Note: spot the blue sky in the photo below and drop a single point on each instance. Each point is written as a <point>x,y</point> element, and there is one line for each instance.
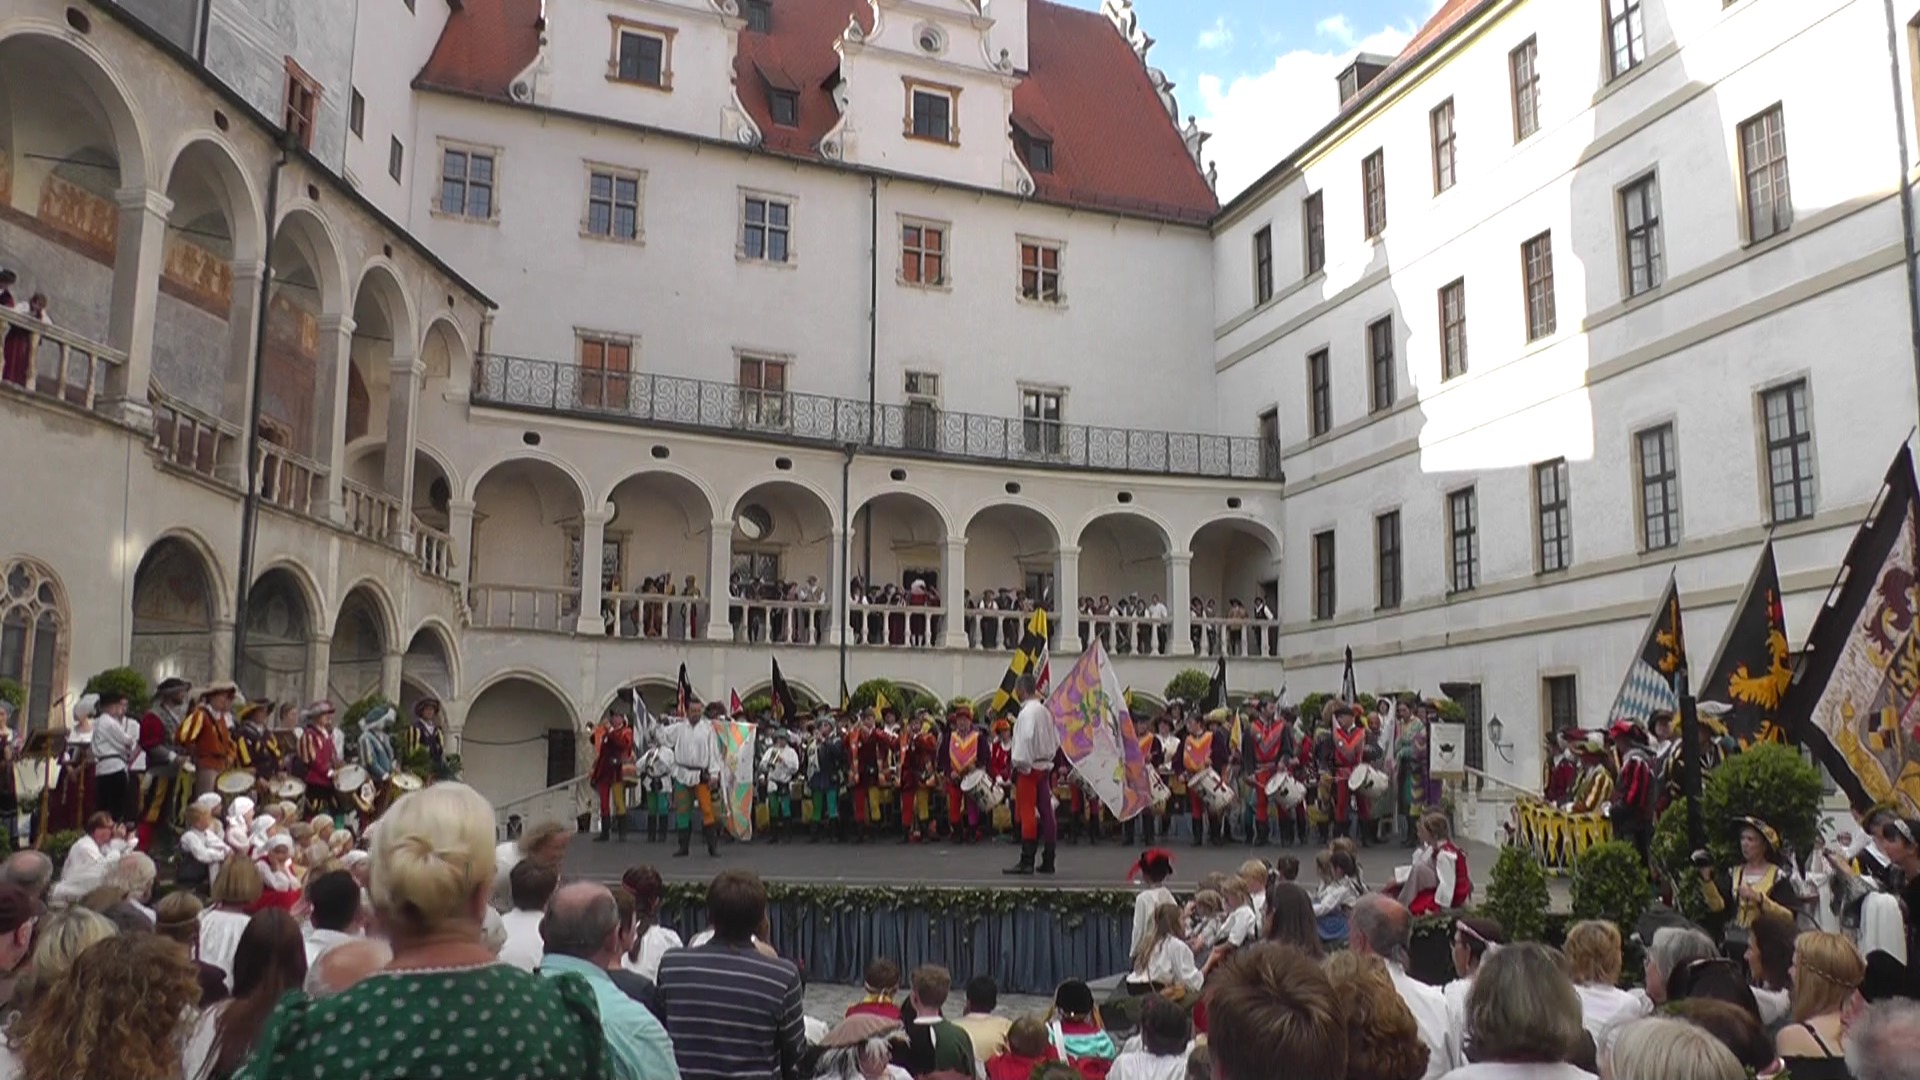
<point>1259,74</point>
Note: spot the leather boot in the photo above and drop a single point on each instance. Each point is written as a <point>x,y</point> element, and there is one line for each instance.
<point>1024,868</point>
<point>712,833</point>
<point>1126,834</point>
<point>1261,835</point>
<point>686,841</point>
<point>606,829</point>
<point>620,828</point>
<point>1199,832</point>
<point>1046,861</point>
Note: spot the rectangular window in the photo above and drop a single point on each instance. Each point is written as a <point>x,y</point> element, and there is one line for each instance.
<point>1319,392</point>
<point>1640,217</point>
<point>1263,265</point>
<point>466,183</point>
<point>923,254</point>
<point>1625,36</point>
<point>1315,221</point>
<point>1270,444</point>
<point>763,392</point>
<point>1463,538</point>
<point>759,15</point>
<point>357,114</point>
<point>604,367</point>
<point>1523,64</point>
<point>396,158</point>
<point>1763,163</point>
<point>1040,155</point>
<point>930,112</point>
<point>1453,329</point>
<point>613,205</point>
<point>1441,121</point>
<point>1536,258</point>
<point>1373,191</point>
<point>766,230</point>
<point>1380,362</point>
<point>1789,451</point>
<point>301,100</point>
<point>642,58</point>
<point>1659,487</point>
<point>1386,551</point>
<point>1563,703</point>
<point>1040,421</point>
<point>1323,575</point>
<point>1555,515</point>
<point>1040,271</point>
<point>785,106</point>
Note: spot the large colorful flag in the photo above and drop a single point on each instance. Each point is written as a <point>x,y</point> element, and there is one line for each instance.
<point>1097,735</point>
<point>733,749</point>
<point>1751,672</point>
<point>785,708</point>
<point>1854,695</point>
<point>686,698</point>
<point>1031,656</point>
<point>1648,687</point>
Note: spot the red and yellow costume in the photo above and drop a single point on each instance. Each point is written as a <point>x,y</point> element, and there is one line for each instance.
<point>919,774</point>
<point>206,739</point>
<point>1272,739</point>
<point>872,751</point>
<point>960,756</point>
<point>612,750</point>
<point>1349,751</point>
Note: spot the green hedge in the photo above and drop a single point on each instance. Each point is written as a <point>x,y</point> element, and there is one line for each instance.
<point>123,680</point>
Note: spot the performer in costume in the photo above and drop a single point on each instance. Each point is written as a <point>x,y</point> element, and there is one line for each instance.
<point>1594,788</point>
<point>1737,896</point>
<point>826,775</point>
<point>253,745</point>
<point>1565,769</point>
<point>207,735</point>
<point>1272,753</point>
<point>783,774</point>
<point>1000,761</point>
<point>959,758</point>
<point>871,749</point>
<point>1438,880</point>
<point>424,735</point>
<point>1636,794</point>
<point>1203,748</point>
<point>1036,746</point>
<point>694,765</point>
<point>1410,769</point>
<point>1350,812</point>
<point>319,757</point>
<point>1149,753</point>
<point>612,753</point>
<point>919,774</point>
<point>165,794</point>
<point>376,754</point>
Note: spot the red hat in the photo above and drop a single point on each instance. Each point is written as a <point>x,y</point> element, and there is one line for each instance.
<point>1626,729</point>
<point>1155,861</point>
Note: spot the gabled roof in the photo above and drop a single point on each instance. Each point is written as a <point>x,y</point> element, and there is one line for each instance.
<point>1115,148</point>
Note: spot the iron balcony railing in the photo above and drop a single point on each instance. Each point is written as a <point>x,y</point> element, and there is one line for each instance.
<point>918,428</point>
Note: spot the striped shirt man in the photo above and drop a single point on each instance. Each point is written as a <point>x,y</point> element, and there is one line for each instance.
<point>732,1013</point>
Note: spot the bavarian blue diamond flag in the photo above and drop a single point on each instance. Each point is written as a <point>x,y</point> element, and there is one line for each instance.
<point>1648,687</point>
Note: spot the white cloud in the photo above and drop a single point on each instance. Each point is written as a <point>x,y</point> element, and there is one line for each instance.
<point>1218,36</point>
<point>1258,119</point>
<point>1336,27</point>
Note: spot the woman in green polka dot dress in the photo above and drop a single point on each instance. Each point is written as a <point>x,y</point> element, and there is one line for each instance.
<point>445,1007</point>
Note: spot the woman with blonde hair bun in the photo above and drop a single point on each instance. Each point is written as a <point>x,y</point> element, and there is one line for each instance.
<point>1661,1048</point>
<point>432,874</point>
<point>1826,971</point>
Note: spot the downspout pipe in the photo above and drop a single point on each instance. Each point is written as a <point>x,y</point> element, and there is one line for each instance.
<point>1906,195</point>
<point>873,306</point>
<point>844,555</point>
<point>250,503</point>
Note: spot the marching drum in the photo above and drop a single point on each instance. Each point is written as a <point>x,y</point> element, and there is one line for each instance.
<point>235,782</point>
<point>1288,791</point>
<point>1157,788</point>
<point>1213,790</point>
<point>288,789</point>
<point>349,777</point>
<point>404,782</point>
<point>1367,782</point>
<point>979,786</point>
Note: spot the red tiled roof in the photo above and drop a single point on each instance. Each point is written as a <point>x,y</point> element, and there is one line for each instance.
<point>1115,147</point>
<point>1445,19</point>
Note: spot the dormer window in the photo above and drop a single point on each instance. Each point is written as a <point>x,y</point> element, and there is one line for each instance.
<point>642,55</point>
<point>759,15</point>
<point>785,106</point>
<point>1035,150</point>
<point>932,112</point>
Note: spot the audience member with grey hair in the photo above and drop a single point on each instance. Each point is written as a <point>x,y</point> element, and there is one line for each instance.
<point>134,875</point>
<point>31,870</point>
<point>1382,927</point>
<point>1674,947</point>
<point>1523,1017</point>
<point>582,934</point>
<point>1661,1048</point>
<point>339,967</point>
<point>1883,1042</point>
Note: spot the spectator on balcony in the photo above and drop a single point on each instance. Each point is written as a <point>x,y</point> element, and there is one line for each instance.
<point>19,342</point>
<point>1265,639</point>
<point>1236,634</point>
<point>1198,609</point>
<point>1157,611</point>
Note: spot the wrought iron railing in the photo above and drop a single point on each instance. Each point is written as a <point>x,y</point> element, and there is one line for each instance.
<point>673,401</point>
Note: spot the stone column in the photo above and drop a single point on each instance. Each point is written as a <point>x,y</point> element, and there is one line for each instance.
<point>222,646</point>
<point>593,537</point>
<point>718,624</point>
<point>390,666</point>
<point>953,591</point>
<point>837,590</point>
<point>1066,600</point>
<point>139,254</point>
<point>335,360</point>
<point>319,665</point>
<point>404,373</point>
<point>1180,602</point>
<point>236,400</point>
<point>460,527</point>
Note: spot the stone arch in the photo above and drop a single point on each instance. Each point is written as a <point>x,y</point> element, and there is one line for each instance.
<point>35,626</point>
<point>383,329</point>
<point>582,489</point>
<point>528,524</point>
<point>1012,544</point>
<point>821,494</point>
<point>444,348</point>
<point>175,607</point>
<point>48,43</point>
<point>662,524</point>
<point>430,666</point>
<point>383,606</point>
<point>800,541</point>
<point>660,692</point>
<point>909,530</point>
<point>234,185</point>
<point>363,634</point>
<point>283,607</point>
<point>1236,557</point>
<point>520,728</point>
<point>1122,551</point>
<point>306,294</point>
<point>311,234</point>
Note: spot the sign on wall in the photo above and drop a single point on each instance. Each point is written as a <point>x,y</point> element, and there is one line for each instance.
<point>1447,750</point>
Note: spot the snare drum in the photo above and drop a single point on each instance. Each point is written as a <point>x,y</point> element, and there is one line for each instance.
<point>349,777</point>
<point>288,789</point>
<point>1157,789</point>
<point>404,782</point>
<point>235,782</point>
<point>975,785</point>
<point>1213,790</point>
<point>993,796</point>
<point>1286,791</point>
<point>1367,782</point>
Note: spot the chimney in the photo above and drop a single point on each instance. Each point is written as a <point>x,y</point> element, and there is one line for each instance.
<point>1365,68</point>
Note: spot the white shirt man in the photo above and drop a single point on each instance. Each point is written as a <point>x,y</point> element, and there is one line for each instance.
<point>116,743</point>
<point>524,945</point>
<point>1380,927</point>
<point>692,743</point>
<point>1035,739</point>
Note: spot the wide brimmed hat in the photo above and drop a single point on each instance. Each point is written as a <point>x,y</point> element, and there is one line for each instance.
<point>220,686</point>
<point>1767,832</point>
<point>421,705</point>
<point>170,684</point>
<point>859,1029</point>
<point>252,708</point>
<point>1623,730</point>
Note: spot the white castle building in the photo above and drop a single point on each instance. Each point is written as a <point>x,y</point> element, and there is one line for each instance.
<point>781,298</point>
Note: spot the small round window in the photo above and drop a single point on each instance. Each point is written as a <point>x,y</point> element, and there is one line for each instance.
<point>754,523</point>
<point>931,39</point>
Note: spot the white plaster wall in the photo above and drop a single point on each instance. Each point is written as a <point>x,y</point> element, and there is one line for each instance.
<point>390,45</point>
<point>700,64</point>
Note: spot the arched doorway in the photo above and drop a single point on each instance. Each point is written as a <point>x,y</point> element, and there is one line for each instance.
<point>426,671</point>
<point>359,647</point>
<point>173,613</point>
<point>520,736</point>
<point>1236,573</point>
<point>280,627</point>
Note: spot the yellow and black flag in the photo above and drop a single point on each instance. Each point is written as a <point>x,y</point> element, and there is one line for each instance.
<point>1752,670</point>
<point>785,708</point>
<point>1031,656</point>
<point>1648,686</point>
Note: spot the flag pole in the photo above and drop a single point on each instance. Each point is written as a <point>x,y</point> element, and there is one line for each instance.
<point>1690,756</point>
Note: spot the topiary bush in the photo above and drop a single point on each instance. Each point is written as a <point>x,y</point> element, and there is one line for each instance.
<point>123,680</point>
<point>1770,781</point>
<point>758,705</point>
<point>357,712</point>
<point>55,846</point>
<point>13,694</point>
<point>1610,883</point>
<point>1311,705</point>
<point>1517,895</point>
<point>1190,684</point>
<point>905,700</point>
